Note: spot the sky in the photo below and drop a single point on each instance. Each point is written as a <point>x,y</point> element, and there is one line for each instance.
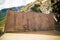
<point>13,3</point>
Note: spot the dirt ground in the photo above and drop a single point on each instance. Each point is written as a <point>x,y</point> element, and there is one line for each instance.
<point>43,35</point>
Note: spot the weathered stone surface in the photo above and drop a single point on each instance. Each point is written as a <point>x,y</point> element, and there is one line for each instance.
<point>29,21</point>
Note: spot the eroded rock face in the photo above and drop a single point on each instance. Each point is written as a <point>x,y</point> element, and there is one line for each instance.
<point>29,21</point>
<point>45,6</point>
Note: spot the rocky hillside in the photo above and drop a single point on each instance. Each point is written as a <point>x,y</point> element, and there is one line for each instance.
<point>38,6</point>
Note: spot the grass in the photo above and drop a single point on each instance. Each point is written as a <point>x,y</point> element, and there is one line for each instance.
<point>2,22</point>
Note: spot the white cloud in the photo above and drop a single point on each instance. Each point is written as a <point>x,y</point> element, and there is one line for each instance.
<point>27,1</point>
<point>2,1</point>
<point>14,3</point>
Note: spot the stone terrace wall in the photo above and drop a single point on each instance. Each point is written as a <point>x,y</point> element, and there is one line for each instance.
<point>28,21</point>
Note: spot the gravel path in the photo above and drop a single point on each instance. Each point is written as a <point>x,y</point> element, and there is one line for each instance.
<point>21,36</point>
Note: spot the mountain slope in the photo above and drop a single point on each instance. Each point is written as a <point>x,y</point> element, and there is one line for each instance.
<point>3,14</point>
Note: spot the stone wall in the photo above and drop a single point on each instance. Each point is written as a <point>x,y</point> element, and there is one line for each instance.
<point>28,21</point>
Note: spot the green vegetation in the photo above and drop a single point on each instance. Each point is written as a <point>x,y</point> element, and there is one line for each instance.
<point>36,8</point>
<point>2,18</point>
<point>2,23</point>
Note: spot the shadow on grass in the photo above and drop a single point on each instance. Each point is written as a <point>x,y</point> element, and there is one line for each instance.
<point>1,33</point>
